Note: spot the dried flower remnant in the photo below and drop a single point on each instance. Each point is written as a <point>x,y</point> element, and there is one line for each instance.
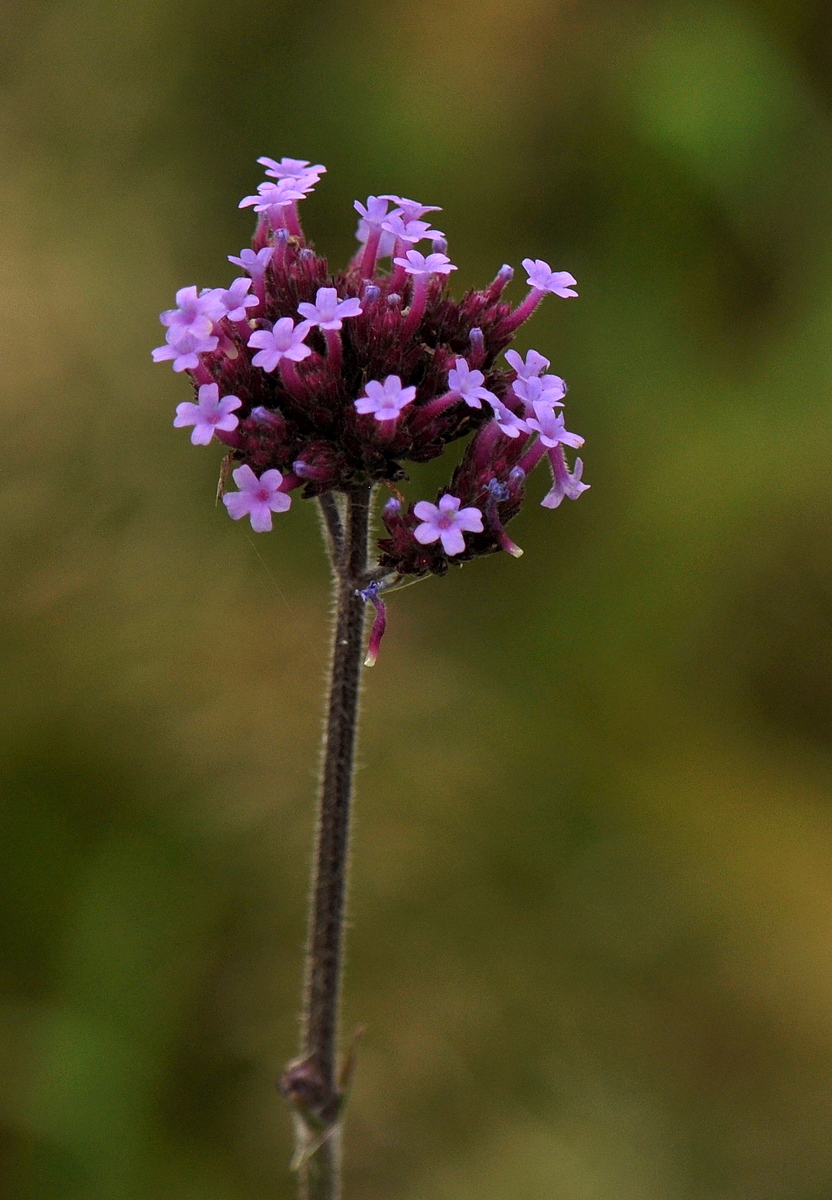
<point>339,379</point>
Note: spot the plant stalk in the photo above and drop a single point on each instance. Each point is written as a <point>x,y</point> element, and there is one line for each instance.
<point>311,1082</point>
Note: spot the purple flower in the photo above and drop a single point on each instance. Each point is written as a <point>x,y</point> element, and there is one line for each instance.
<point>551,427</point>
<point>328,312</point>
<point>292,168</point>
<point>194,313</point>
<point>255,264</point>
<point>372,213</point>
<point>284,341</point>
<point>510,424</point>
<point>385,400</point>
<point>565,484</point>
<point>547,389</point>
<point>257,498</point>
<point>273,198</point>
<point>208,415</point>
<point>534,364</point>
<point>184,348</point>
<point>446,523</point>
<point>417,264</point>
<point>543,279</point>
<point>408,231</point>
<point>468,384</point>
<point>412,210</point>
<point>233,301</point>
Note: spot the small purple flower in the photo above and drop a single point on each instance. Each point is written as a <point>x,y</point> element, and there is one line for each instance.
<point>284,341</point>
<point>255,264</point>
<point>385,400</point>
<point>328,312</point>
<point>415,263</point>
<point>543,279</point>
<point>412,210</point>
<point>565,484</point>
<point>534,364</point>
<point>551,427</point>
<point>546,389</point>
<point>408,231</point>
<point>372,213</point>
<point>194,313</point>
<point>208,415</point>
<point>446,523</point>
<point>233,301</point>
<point>468,384</point>
<point>510,424</point>
<point>273,198</point>
<point>184,348</point>
<point>292,168</point>
<point>257,498</point>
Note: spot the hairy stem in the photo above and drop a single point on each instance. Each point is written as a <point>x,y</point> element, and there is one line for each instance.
<point>311,1082</point>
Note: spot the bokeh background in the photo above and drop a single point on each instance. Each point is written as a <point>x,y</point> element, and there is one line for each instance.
<point>591,907</point>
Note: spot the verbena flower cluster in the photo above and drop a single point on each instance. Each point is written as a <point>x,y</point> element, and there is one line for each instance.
<point>320,381</point>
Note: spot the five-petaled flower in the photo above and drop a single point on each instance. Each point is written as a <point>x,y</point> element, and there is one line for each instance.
<point>285,340</point>
<point>257,498</point>
<point>446,522</point>
<point>385,400</point>
<point>328,312</point>
<point>208,415</point>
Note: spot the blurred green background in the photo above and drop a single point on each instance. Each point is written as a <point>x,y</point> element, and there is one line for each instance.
<point>591,907</point>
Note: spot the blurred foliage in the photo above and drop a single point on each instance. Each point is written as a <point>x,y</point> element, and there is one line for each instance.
<point>591,896</point>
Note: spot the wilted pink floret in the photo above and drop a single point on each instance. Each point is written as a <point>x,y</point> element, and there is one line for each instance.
<point>385,400</point>
<point>184,348</point>
<point>208,415</point>
<point>543,279</point>
<point>233,301</point>
<point>534,364</point>
<point>416,263</point>
<point>565,484</point>
<point>328,312</point>
<point>469,384</point>
<point>446,523</point>
<point>255,264</point>
<point>284,341</point>
<point>551,427</point>
<point>257,498</point>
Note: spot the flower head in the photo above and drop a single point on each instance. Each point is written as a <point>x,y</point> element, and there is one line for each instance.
<point>257,498</point>
<point>326,381</point>
<point>208,415</point>
<point>446,522</point>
